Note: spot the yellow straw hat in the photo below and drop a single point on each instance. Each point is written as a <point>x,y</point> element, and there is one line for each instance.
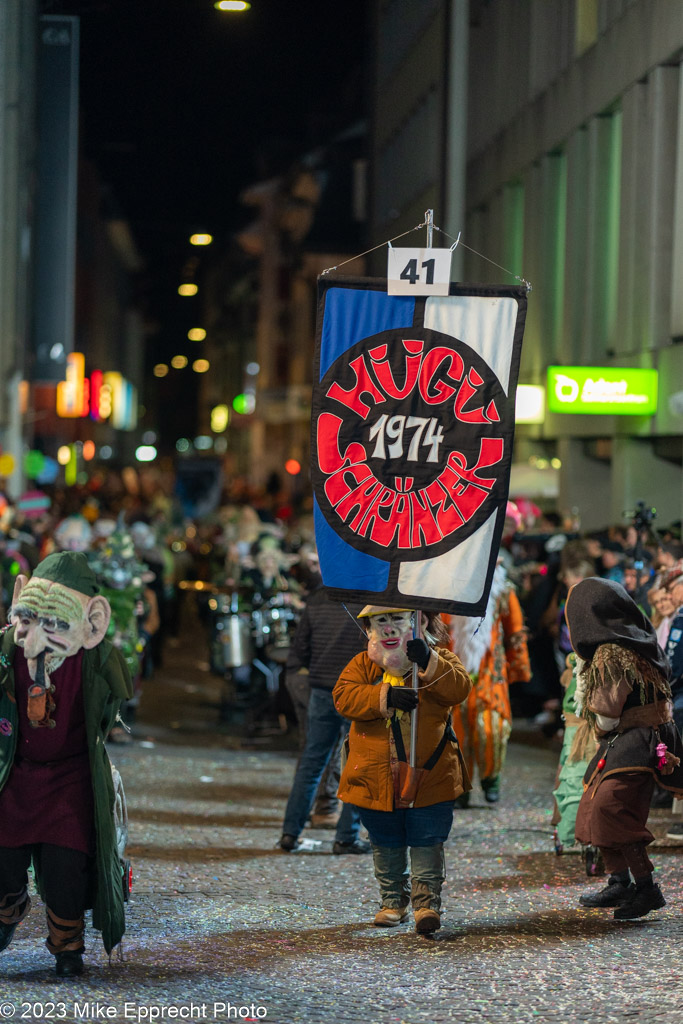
<point>380,609</point>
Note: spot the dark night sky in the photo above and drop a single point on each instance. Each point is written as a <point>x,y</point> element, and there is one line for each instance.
<point>183,105</point>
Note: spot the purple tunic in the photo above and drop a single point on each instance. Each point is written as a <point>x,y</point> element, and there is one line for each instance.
<point>48,796</point>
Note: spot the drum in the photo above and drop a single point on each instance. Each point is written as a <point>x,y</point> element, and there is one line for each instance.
<point>279,623</point>
<point>233,632</point>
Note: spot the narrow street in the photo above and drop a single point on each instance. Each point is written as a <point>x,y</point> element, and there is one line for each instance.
<point>222,925</point>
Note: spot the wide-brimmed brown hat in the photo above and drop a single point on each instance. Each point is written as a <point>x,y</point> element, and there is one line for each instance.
<point>380,609</point>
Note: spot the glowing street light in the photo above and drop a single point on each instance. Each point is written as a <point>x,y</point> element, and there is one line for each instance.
<point>187,289</point>
<point>160,370</point>
<point>200,365</point>
<point>179,362</point>
<point>244,404</point>
<point>220,417</point>
<point>232,5</point>
<point>145,453</point>
<point>196,334</point>
<point>201,239</point>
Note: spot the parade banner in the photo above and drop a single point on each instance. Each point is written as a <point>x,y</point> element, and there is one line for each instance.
<point>411,442</point>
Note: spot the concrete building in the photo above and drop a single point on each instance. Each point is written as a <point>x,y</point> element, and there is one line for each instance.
<point>17,146</point>
<point>550,132</point>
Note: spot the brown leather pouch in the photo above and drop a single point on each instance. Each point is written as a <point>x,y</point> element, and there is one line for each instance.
<point>406,784</point>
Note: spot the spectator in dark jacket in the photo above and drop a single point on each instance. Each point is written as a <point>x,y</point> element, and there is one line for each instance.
<point>674,652</point>
<point>327,638</point>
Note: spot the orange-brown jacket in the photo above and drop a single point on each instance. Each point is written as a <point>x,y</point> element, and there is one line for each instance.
<point>360,695</point>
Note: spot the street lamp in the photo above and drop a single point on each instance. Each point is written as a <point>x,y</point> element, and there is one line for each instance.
<point>232,5</point>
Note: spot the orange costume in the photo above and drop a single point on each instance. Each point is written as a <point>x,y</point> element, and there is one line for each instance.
<point>495,654</point>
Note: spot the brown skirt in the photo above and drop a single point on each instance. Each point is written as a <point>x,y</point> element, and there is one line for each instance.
<point>613,811</point>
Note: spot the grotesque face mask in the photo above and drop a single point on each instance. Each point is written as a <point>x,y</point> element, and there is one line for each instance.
<point>388,634</point>
<point>56,621</point>
<point>52,622</point>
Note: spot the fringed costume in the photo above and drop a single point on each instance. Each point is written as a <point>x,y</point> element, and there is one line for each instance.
<point>495,654</point>
<point>624,693</point>
<point>578,748</point>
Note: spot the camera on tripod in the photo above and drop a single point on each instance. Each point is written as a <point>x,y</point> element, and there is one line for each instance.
<point>642,517</point>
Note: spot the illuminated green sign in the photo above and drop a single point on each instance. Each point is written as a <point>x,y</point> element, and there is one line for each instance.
<point>602,390</point>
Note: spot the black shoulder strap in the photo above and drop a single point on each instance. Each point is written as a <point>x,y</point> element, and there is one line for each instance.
<point>448,737</point>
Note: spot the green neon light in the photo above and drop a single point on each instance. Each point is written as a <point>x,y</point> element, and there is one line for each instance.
<point>602,390</point>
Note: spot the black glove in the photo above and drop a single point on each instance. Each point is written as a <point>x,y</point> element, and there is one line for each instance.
<point>418,651</point>
<point>402,697</point>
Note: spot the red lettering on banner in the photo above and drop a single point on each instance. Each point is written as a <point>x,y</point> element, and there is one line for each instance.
<point>468,388</point>
<point>364,386</point>
<point>470,496</point>
<point>424,528</point>
<point>384,499</point>
<point>430,365</point>
<point>490,453</point>
<point>383,530</point>
<point>330,458</point>
<point>381,514</point>
<point>446,513</point>
<point>411,364</point>
<point>343,482</point>
<point>360,498</point>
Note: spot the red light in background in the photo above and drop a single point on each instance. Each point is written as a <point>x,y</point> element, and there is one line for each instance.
<point>292,467</point>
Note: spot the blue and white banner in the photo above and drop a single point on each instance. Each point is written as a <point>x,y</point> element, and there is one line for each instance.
<point>412,432</point>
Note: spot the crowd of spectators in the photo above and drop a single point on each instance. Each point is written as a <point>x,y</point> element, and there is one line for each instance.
<point>547,558</point>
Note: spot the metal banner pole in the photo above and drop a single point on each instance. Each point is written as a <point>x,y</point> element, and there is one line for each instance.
<point>413,719</point>
<point>429,220</point>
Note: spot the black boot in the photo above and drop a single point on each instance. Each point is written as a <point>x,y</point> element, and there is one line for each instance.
<point>68,964</point>
<point>640,902</point>
<point>16,906</point>
<point>614,894</point>
<point>491,787</point>
<point>6,933</point>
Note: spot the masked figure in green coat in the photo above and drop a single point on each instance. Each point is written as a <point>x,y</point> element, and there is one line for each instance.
<point>61,686</point>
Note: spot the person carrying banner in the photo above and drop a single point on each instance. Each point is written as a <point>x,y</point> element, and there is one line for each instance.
<point>495,652</point>
<point>402,807</point>
<point>623,691</point>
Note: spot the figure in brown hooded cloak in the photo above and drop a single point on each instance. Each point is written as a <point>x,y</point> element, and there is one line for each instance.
<point>624,692</point>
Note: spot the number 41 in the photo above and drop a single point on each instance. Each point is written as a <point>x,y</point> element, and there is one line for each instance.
<point>410,271</point>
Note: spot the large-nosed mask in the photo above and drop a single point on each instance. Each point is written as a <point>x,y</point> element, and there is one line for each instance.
<point>56,621</point>
<point>388,633</point>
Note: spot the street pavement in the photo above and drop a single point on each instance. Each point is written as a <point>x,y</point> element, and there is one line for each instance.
<point>224,926</point>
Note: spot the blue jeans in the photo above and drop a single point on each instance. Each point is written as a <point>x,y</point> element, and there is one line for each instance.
<point>410,826</point>
<point>322,733</point>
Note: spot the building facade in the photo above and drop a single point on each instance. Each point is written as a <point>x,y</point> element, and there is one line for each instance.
<point>573,180</point>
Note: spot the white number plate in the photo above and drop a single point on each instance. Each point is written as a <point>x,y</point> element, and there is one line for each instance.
<point>418,271</point>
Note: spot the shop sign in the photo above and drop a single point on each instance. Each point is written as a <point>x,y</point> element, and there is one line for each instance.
<point>602,390</point>
<point>101,396</point>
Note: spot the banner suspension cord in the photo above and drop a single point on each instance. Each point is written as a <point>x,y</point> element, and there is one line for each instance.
<point>374,248</point>
<point>522,280</point>
<point>353,619</point>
